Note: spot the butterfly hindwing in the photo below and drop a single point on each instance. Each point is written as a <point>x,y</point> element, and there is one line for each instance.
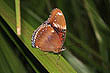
<point>47,39</point>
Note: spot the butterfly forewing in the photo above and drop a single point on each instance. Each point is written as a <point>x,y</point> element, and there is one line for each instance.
<point>57,19</point>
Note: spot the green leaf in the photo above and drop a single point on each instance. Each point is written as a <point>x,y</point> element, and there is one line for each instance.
<point>48,61</point>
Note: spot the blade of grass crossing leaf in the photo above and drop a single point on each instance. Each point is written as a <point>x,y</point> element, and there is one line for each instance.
<point>18,17</point>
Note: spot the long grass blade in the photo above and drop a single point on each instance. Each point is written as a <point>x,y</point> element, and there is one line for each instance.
<point>18,17</point>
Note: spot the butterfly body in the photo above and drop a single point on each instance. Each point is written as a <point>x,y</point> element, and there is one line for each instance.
<point>50,35</point>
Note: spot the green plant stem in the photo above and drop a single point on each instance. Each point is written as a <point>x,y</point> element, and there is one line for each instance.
<point>18,17</point>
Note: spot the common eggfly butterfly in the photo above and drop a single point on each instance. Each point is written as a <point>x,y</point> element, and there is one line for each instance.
<point>50,35</point>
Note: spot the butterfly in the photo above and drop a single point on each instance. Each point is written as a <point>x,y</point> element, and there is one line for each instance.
<point>51,34</point>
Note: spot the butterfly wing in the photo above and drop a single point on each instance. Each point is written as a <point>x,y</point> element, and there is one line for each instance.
<point>47,39</point>
<point>50,36</point>
<point>57,19</point>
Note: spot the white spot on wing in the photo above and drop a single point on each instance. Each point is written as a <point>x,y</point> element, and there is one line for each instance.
<point>64,27</point>
<point>58,13</point>
<point>55,24</point>
<point>37,47</point>
<point>52,30</point>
